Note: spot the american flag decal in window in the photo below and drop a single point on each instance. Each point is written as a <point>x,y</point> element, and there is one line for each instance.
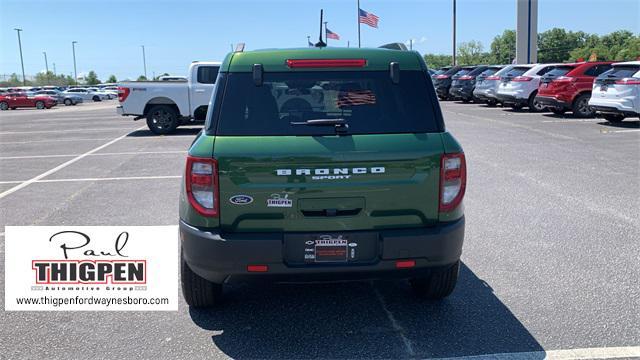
<point>354,98</point>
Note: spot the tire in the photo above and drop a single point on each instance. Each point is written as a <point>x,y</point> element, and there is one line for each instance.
<point>96,98</point>
<point>557,111</point>
<point>4,105</point>
<point>68,102</point>
<point>437,285</point>
<point>533,104</point>
<point>162,119</point>
<point>39,105</point>
<point>517,107</point>
<point>613,118</point>
<point>581,106</point>
<point>197,291</point>
<point>492,103</point>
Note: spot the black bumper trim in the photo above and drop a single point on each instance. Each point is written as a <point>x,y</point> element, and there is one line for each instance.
<point>510,99</point>
<point>220,257</point>
<point>612,110</point>
<point>552,102</point>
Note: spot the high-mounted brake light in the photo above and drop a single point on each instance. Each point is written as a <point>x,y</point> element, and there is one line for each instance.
<point>466,77</point>
<point>201,182</point>
<point>522,78</point>
<point>325,63</point>
<point>492,77</point>
<point>628,81</point>
<point>442,76</point>
<point>453,181</point>
<point>123,92</point>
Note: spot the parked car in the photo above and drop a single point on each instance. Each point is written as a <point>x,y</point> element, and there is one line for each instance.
<point>464,82</point>
<point>15,100</point>
<point>168,104</point>
<point>278,189</point>
<point>62,98</point>
<point>487,84</point>
<point>518,91</point>
<point>442,82</point>
<point>568,87</point>
<point>616,93</point>
<point>86,94</point>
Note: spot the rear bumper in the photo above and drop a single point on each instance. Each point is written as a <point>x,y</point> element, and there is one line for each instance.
<point>613,110</point>
<point>224,258</point>
<point>552,102</point>
<point>443,90</point>
<point>623,105</point>
<point>463,92</point>
<point>510,99</point>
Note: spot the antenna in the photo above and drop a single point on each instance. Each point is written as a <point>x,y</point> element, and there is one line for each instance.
<point>321,43</point>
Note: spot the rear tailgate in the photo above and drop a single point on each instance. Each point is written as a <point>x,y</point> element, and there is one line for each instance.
<point>329,183</point>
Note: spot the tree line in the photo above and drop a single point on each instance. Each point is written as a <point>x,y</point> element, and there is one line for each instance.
<point>554,46</point>
<point>49,78</point>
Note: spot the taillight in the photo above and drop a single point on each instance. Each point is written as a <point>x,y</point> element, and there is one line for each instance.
<point>453,181</point>
<point>325,63</point>
<point>564,79</point>
<point>442,76</point>
<point>522,78</point>
<point>628,81</point>
<point>466,77</point>
<point>201,182</point>
<point>494,77</point>
<point>123,92</point>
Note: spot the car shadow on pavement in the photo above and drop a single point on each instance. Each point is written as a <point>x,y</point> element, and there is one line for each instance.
<point>178,132</point>
<point>380,319</point>
<point>625,124</point>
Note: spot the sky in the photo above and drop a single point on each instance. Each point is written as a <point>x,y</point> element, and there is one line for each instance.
<point>175,33</point>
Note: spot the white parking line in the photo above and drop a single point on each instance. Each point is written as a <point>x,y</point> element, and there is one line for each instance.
<point>64,165</point>
<point>96,139</point>
<point>627,352</point>
<point>95,154</point>
<point>572,120</point>
<point>65,131</point>
<point>97,179</point>
<point>605,131</point>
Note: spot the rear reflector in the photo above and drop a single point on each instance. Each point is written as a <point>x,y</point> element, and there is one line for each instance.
<point>325,63</point>
<point>403,264</point>
<point>453,181</point>
<point>257,268</point>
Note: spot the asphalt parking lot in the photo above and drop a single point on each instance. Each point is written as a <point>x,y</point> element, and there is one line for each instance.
<point>550,257</point>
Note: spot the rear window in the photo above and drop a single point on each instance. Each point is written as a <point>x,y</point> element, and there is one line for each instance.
<point>367,101</point>
<point>477,70</point>
<point>489,72</point>
<point>517,71</point>
<point>463,71</point>
<point>622,71</point>
<point>559,71</point>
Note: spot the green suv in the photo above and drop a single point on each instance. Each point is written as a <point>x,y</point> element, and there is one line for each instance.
<point>322,164</point>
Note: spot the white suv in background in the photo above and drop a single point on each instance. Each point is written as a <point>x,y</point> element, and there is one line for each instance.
<point>520,90</point>
<point>616,93</point>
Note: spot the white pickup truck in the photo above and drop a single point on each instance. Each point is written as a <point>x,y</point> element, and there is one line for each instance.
<point>169,104</point>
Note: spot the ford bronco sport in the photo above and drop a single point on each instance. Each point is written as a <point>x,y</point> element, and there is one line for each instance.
<point>322,164</point>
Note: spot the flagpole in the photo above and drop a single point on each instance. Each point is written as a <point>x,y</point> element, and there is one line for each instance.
<point>326,38</point>
<point>358,23</point>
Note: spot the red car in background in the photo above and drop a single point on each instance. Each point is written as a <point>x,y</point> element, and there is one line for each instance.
<point>15,100</point>
<point>568,87</point>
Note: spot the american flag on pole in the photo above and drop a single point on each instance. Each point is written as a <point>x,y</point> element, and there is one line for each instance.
<point>367,18</point>
<point>355,98</point>
<point>332,35</point>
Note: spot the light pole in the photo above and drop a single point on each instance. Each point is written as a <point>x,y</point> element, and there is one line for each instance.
<point>24,79</point>
<point>46,65</point>
<point>75,71</point>
<point>144,62</point>
<point>308,41</point>
<point>454,32</point>
<point>54,69</point>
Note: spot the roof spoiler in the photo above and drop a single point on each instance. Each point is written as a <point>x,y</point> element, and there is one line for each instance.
<point>394,46</point>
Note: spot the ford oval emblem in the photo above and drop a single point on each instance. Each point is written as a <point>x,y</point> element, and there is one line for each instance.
<point>241,199</point>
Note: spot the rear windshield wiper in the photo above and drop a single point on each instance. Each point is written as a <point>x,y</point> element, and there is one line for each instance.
<point>320,122</point>
<point>339,124</point>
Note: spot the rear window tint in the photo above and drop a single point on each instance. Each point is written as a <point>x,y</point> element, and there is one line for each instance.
<point>489,72</point>
<point>517,71</point>
<point>559,71</point>
<point>477,71</point>
<point>367,101</point>
<point>622,71</point>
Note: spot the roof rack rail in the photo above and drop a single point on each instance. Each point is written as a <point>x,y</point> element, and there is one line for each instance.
<point>239,47</point>
<point>394,46</point>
